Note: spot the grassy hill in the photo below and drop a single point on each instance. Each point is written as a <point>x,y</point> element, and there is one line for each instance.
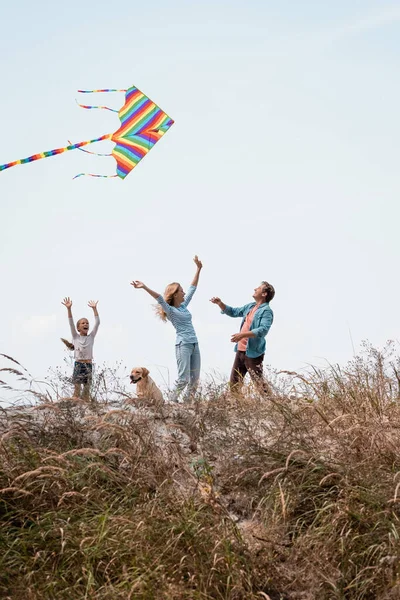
<point>291,496</point>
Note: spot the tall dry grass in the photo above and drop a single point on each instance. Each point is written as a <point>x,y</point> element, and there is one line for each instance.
<point>291,496</point>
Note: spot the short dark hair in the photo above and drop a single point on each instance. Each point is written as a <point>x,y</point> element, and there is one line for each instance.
<point>269,289</point>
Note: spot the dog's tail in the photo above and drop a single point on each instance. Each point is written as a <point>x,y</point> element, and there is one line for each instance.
<point>69,345</point>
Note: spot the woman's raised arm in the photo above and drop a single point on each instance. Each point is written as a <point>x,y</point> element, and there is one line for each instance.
<point>139,285</point>
<point>199,266</point>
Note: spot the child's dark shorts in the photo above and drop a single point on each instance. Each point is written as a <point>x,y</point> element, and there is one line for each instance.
<point>82,372</point>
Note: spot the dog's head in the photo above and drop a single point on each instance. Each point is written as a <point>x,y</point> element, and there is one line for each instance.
<point>138,373</point>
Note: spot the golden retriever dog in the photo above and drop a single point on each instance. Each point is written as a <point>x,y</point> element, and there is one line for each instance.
<point>145,386</point>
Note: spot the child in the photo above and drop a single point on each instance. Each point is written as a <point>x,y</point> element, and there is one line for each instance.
<point>83,347</point>
<point>173,306</point>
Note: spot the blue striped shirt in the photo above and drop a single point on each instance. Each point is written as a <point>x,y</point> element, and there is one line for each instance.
<point>181,318</point>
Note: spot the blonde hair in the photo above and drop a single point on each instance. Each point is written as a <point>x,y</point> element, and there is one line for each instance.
<point>79,320</point>
<point>68,344</point>
<point>169,294</point>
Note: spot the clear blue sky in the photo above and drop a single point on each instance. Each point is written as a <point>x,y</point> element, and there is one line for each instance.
<point>282,164</point>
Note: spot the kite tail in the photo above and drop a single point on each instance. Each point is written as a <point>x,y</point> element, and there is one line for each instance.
<point>54,152</point>
<point>95,92</point>
<point>103,107</point>
<point>94,153</point>
<point>93,175</point>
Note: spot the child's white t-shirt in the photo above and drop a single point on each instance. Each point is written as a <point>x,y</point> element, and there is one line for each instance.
<point>83,343</point>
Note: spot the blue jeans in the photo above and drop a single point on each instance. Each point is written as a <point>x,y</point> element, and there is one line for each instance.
<point>188,359</point>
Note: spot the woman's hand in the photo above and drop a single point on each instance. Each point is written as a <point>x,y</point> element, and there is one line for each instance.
<point>199,266</point>
<point>67,302</point>
<point>198,262</point>
<point>139,285</point>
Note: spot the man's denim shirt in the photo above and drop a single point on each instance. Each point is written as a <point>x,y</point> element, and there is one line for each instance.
<point>260,326</point>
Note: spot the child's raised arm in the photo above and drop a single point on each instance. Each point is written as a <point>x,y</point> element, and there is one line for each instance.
<point>68,303</point>
<point>93,306</point>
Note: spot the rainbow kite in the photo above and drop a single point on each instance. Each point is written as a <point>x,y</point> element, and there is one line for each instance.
<point>143,123</point>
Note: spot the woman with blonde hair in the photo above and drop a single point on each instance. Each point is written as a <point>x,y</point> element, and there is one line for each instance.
<point>173,307</point>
